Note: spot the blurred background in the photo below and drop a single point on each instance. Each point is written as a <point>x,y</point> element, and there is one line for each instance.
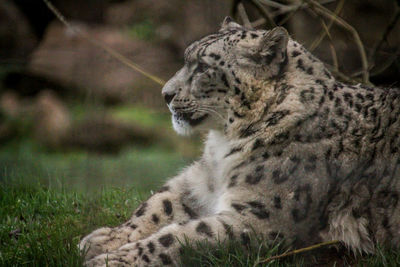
<point>73,116</point>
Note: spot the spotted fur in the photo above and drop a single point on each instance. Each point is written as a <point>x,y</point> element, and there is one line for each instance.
<point>291,153</point>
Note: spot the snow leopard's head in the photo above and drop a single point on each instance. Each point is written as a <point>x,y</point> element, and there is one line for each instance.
<point>220,75</point>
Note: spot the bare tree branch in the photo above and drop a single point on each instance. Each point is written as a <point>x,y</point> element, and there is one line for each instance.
<point>243,16</point>
<point>338,20</point>
<point>234,7</point>
<point>334,57</point>
<point>258,23</point>
<point>387,63</point>
<point>289,15</point>
<point>270,9</point>
<point>385,35</point>
<point>321,37</point>
<point>332,48</point>
<point>264,13</point>
<point>273,4</point>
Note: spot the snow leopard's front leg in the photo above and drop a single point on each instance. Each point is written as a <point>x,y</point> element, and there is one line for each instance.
<point>170,204</point>
<point>163,248</point>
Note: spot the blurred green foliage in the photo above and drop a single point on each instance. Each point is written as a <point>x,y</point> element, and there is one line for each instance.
<point>141,116</point>
<point>143,169</point>
<point>143,30</point>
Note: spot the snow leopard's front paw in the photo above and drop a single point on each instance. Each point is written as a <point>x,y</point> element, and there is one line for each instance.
<point>127,255</point>
<point>111,259</point>
<point>103,240</point>
<point>134,254</point>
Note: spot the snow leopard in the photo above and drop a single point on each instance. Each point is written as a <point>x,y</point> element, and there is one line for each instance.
<point>290,153</point>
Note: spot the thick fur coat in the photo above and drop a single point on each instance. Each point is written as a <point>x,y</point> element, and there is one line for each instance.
<point>291,153</point>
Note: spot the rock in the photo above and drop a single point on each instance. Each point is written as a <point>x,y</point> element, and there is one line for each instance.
<point>10,105</point>
<point>177,22</point>
<point>27,84</point>
<point>71,60</point>
<point>16,37</point>
<point>45,117</point>
<point>9,112</point>
<point>52,120</point>
<point>103,134</point>
<point>39,15</point>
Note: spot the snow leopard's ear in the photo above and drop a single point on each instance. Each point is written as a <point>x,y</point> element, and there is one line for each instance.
<point>267,52</point>
<point>229,23</point>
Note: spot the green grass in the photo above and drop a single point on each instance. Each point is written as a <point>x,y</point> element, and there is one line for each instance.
<point>42,227</point>
<point>234,253</point>
<point>144,169</point>
<point>49,201</point>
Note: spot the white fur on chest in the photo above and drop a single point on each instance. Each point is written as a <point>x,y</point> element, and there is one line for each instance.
<point>210,186</point>
<point>217,146</point>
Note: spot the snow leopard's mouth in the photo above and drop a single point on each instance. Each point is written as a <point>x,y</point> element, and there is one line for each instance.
<point>188,117</point>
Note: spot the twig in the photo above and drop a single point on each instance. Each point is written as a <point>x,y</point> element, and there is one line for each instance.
<point>103,46</point>
<point>387,63</point>
<point>281,8</point>
<point>385,35</point>
<point>331,46</point>
<point>273,4</point>
<point>334,57</point>
<point>297,251</point>
<point>324,2</point>
<point>258,23</point>
<point>264,12</point>
<point>290,15</point>
<point>327,13</point>
<point>341,75</point>
<point>321,37</point>
<point>234,8</point>
<point>288,9</point>
<point>243,16</point>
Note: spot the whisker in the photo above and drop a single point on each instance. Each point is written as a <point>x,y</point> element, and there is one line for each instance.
<point>207,106</point>
<point>207,110</point>
<point>212,111</point>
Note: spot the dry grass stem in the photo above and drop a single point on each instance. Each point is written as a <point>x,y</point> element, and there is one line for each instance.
<point>298,251</point>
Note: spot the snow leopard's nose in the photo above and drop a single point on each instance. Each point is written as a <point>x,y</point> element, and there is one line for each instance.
<point>173,87</point>
<point>168,96</point>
